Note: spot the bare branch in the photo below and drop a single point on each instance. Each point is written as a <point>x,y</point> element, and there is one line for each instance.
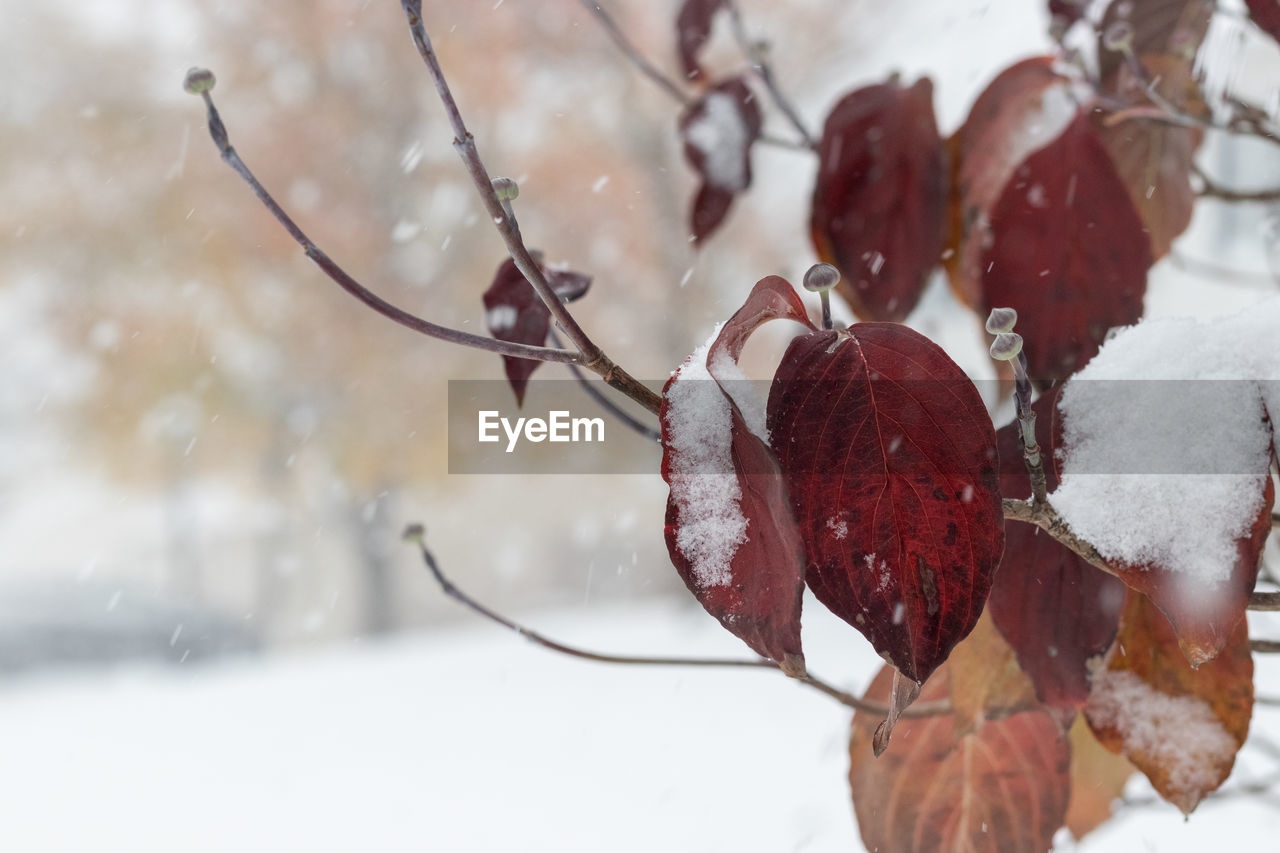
<point>1265,646</point>
<point>636,58</point>
<point>218,131</point>
<point>593,358</point>
<point>1211,189</point>
<point>1265,601</point>
<point>416,533</point>
<point>756,55</point>
<point>608,405</point>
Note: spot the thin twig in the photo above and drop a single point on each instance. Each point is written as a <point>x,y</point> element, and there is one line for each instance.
<point>1264,601</point>
<point>1265,646</point>
<point>417,534</point>
<point>636,58</point>
<point>1212,189</point>
<point>593,358</point>
<point>755,55</point>
<point>218,131</point>
<point>608,405</point>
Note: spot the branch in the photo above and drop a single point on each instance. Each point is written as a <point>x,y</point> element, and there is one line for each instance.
<point>755,53</point>
<point>1212,189</point>
<point>593,358</point>
<point>1265,601</point>
<point>200,82</point>
<point>608,405</point>
<point>1265,646</point>
<point>637,59</point>
<point>416,533</point>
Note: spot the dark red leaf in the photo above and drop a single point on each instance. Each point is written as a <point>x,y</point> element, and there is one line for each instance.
<point>1068,251</point>
<point>1266,14</point>
<point>1053,608</point>
<point>1154,161</point>
<point>513,312</point>
<point>729,528</point>
<point>693,28</point>
<point>1001,788</point>
<point>1160,28</point>
<point>891,463</point>
<point>1069,11</point>
<point>879,202</point>
<point>1022,109</point>
<point>718,130</point>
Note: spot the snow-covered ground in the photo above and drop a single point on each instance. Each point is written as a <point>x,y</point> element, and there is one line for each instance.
<point>474,740</point>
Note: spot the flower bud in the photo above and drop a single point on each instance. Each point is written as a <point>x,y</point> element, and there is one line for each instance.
<point>506,189</point>
<point>1001,320</point>
<point>198,81</point>
<point>821,277</point>
<point>1118,37</point>
<point>1006,346</point>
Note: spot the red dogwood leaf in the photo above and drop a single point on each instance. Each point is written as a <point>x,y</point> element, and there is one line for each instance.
<point>693,28</point>
<point>879,202</point>
<point>1266,14</point>
<point>718,130</point>
<point>1154,161</point>
<point>729,528</point>
<point>890,460</point>
<point>1024,108</point>
<point>1055,610</point>
<point>1180,726</point>
<point>1000,788</point>
<point>1068,251</point>
<point>513,312</point>
<point>1069,11</point>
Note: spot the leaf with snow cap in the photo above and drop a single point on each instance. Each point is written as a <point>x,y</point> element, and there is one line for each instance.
<point>1182,727</point>
<point>880,198</point>
<point>693,28</point>
<point>1055,610</point>
<point>999,788</point>
<point>718,130</point>
<point>1266,14</point>
<point>729,528</point>
<point>514,313</point>
<point>890,459</point>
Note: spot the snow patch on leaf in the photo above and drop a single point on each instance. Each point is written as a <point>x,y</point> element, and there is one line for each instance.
<point>703,482</point>
<point>722,137</point>
<point>1179,733</point>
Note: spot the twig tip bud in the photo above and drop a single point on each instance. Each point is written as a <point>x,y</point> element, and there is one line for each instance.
<point>821,277</point>
<point>1001,320</point>
<point>199,81</point>
<point>1006,346</point>
<point>506,189</point>
<point>414,533</point>
<point>1118,37</point>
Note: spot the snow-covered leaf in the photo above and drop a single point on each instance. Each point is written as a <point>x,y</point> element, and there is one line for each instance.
<point>718,130</point>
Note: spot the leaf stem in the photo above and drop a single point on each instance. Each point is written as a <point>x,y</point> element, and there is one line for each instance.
<point>593,358</point>
<point>416,534</point>
<point>218,131</point>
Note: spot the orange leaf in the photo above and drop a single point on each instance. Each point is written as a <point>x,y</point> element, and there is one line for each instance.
<point>1098,777</point>
<point>986,677</point>
<point>1182,727</point>
<point>1001,788</point>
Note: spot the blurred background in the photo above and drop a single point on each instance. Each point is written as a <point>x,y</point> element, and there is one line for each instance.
<point>208,451</point>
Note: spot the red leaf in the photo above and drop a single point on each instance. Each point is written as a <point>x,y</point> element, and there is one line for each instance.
<point>693,28</point>
<point>1002,788</point>
<point>1266,14</point>
<point>729,528</point>
<point>1069,11</point>
<point>1180,726</point>
<point>879,202</point>
<point>1068,252</point>
<point>1204,618</point>
<point>1053,608</point>
<point>1154,161</point>
<point>1023,109</point>
<point>890,460</point>
<point>513,312</point>
<point>718,130</point>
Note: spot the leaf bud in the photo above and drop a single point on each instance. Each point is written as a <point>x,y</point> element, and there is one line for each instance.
<point>506,189</point>
<point>1118,37</point>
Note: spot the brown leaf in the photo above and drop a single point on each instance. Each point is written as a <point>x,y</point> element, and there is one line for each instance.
<point>986,678</point>
<point>879,200</point>
<point>1001,788</point>
<point>1165,28</point>
<point>1180,726</point>
<point>1098,777</point>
